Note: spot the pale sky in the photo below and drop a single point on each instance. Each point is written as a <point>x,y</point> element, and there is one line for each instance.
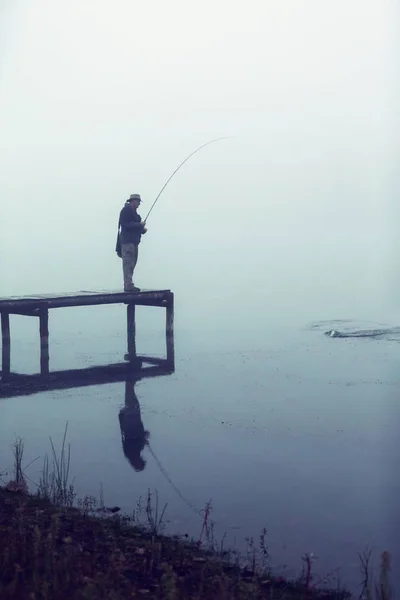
<point>100,99</point>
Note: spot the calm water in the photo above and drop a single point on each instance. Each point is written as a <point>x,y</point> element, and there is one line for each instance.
<point>276,423</point>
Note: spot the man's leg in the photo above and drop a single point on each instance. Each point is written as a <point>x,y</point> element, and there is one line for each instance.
<point>136,254</point>
<point>128,264</point>
<point>129,260</point>
<point>135,258</point>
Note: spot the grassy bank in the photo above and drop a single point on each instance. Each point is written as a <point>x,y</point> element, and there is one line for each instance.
<point>53,546</point>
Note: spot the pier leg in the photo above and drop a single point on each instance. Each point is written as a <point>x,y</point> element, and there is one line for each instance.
<point>169,323</point>
<point>131,331</point>
<point>6,344</point>
<point>169,329</point>
<point>44,341</point>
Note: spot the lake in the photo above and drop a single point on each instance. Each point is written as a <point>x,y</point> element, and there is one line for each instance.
<point>279,425</point>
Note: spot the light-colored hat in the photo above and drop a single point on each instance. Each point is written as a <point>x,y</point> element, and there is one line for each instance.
<point>134,197</point>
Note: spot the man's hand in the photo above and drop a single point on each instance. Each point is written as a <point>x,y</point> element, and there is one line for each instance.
<point>144,230</point>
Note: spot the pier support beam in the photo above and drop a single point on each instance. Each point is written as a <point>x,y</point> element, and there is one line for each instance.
<point>6,344</point>
<point>169,314</point>
<point>169,329</point>
<point>44,341</point>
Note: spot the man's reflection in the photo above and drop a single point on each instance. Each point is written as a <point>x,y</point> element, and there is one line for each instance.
<point>134,435</point>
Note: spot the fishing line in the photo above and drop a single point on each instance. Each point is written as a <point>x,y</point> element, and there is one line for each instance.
<point>198,512</point>
<point>182,163</point>
<point>163,471</point>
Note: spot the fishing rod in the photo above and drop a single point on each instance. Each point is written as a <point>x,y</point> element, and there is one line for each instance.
<point>182,163</point>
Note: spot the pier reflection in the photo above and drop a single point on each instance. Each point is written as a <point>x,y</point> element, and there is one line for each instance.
<point>25,385</point>
<point>134,436</point>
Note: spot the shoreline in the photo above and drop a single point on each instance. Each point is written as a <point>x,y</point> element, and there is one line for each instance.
<point>55,546</point>
<point>54,551</point>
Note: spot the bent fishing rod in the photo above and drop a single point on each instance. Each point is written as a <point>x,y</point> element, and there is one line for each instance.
<point>177,169</point>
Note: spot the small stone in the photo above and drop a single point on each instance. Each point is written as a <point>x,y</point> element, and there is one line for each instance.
<point>19,487</point>
<point>67,540</point>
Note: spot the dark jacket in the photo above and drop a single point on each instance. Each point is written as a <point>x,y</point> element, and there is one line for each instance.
<point>129,223</point>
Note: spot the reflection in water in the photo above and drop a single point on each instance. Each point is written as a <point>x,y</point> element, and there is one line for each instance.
<point>134,435</point>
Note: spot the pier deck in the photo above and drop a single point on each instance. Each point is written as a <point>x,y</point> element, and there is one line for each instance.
<point>30,305</point>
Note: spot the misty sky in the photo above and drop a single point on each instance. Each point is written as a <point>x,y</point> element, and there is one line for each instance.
<point>101,99</point>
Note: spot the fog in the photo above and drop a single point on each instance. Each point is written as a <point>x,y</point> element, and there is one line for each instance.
<point>268,239</point>
<point>100,100</point>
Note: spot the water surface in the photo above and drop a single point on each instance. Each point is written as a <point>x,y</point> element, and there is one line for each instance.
<point>279,426</point>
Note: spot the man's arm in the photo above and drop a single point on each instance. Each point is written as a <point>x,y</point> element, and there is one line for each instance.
<point>127,222</point>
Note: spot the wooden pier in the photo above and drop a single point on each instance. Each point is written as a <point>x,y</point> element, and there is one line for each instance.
<point>39,306</point>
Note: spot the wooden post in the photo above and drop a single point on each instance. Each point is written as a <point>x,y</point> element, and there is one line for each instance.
<point>6,344</point>
<point>169,323</point>
<point>169,329</point>
<point>131,331</point>
<point>44,341</point>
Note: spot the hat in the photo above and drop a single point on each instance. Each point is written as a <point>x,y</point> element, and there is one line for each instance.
<point>134,197</point>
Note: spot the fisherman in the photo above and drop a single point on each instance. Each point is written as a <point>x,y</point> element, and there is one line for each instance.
<point>130,230</point>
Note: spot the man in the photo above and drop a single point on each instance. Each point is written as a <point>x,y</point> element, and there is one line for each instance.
<point>128,240</point>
